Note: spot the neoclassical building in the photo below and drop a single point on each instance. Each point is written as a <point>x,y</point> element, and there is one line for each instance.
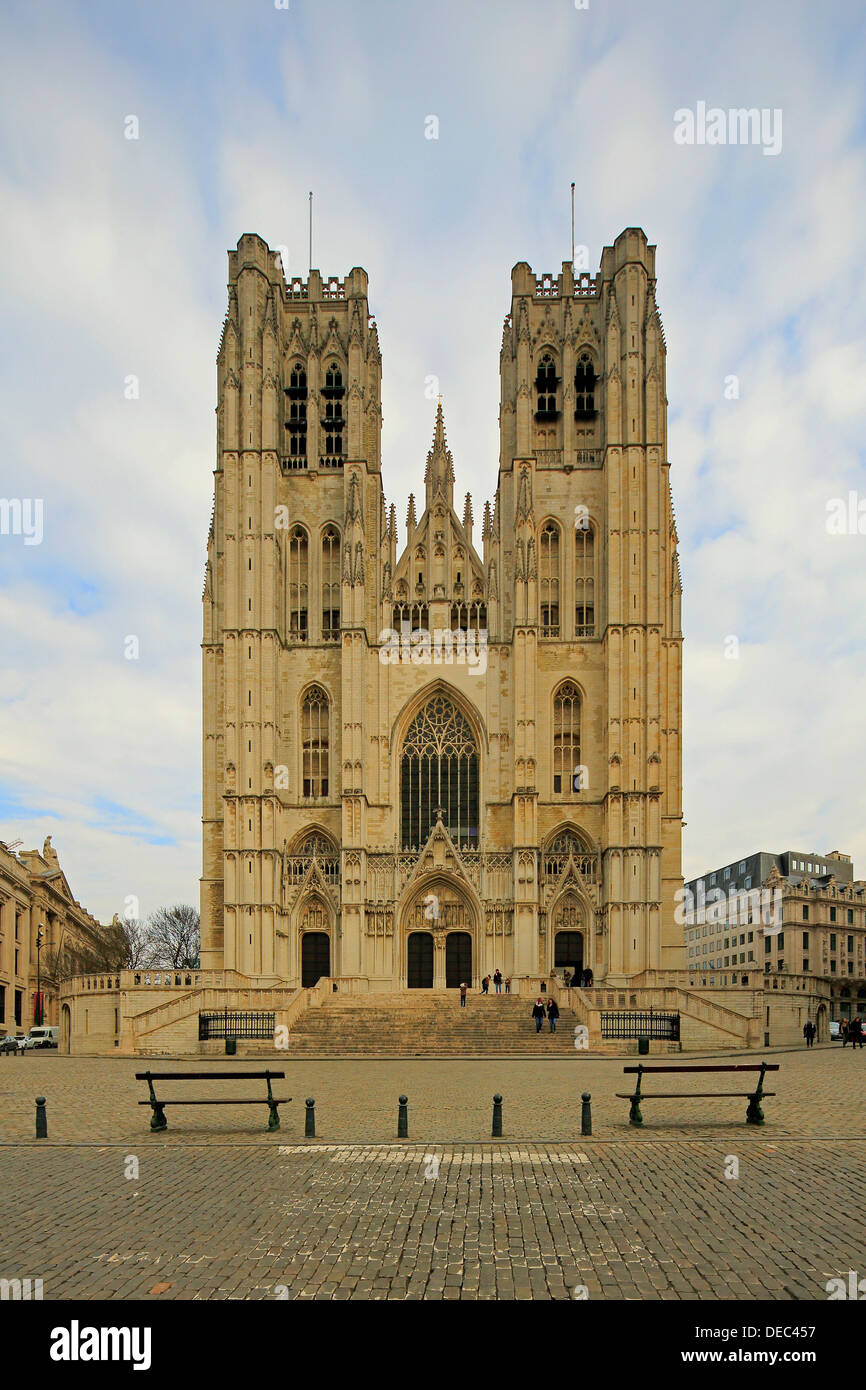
<point>423,763</point>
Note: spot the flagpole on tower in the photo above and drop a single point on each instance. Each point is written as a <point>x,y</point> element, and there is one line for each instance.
<point>311,230</point>
<point>572,225</point>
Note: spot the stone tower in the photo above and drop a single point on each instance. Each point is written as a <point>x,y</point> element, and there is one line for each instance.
<point>421,765</point>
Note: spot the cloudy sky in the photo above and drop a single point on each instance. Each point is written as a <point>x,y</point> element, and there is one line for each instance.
<point>114,254</point>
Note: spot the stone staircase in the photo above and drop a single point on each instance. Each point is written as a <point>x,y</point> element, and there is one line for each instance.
<point>427,1023</point>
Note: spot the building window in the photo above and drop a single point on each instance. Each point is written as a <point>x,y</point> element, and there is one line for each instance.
<point>296,425</point>
<point>850,917</point>
<point>832,914</point>
<point>298,585</point>
<point>333,422</point>
<point>805,963</point>
<point>468,617</point>
<point>330,585</point>
<point>805,941</point>
<point>805,914</point>
<point>584,388</point>
<point>584,581</point>
<point>546,383</point>
<point>314,743</point>
<point>567,779</point>
<point>832,941</point>
<point>411,617</point>
<point>549,580</point>
<point>439,770</point>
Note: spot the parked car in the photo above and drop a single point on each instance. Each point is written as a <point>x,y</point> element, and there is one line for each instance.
<point>45,1035</point>
<point>10,1043</point>
<point>835,1030</point>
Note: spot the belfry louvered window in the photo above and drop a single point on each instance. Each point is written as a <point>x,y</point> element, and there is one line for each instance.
<point>546,383</point>
<point>584,388</point>
<point>548,576</point>
<point>314,742</point>
<point>566,741</point>
<point>296,424</point>
<point>439,769</point>
<point>333,421</point>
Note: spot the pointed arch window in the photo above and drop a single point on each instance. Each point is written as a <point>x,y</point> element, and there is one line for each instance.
<point>566,741</point>
<point>298,584</point>
<point>548,580</point>
<point>546,383</point>
<point>296,424</point>
<point>333,421</point>
<point>331,584</point>
<point>315,743</point>
<point>439,769</point>
<point>584,580</point>
<point>584,388</point>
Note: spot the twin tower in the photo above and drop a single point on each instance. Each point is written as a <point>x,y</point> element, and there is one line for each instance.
<point>427,762</point>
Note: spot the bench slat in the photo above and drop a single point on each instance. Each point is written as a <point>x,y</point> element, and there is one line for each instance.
<point>768,1066</point>
<point>214,1075</point>
<point>690,1095</point>
<point>260,1100</point>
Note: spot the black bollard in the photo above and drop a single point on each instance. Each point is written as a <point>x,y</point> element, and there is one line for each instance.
<point>403,1118</point>
<point>586,1114</point>
<point>497,1117</point>
<point>310,1121</point>
<point>41,1119</point>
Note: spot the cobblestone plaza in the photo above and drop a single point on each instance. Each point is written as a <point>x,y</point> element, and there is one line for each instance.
<point>217,1208</point>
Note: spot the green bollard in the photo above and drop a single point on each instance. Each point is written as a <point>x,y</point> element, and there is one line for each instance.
<point>403,1118</point>
<point>497,1117</point>
<point>586,1114</point>
<point>41,1118</point>
<point>310,1119</point>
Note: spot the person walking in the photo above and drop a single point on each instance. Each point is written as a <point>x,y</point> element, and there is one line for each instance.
<point>843,1031</point>
<point>538,1014</point>
<point>508,985</point>
<point>463,996</point>
<point>855,1032</point>
<point>497,980</point>
<point>552,1014</point>
<point>809,1032</point>
<point>485,985</point>
<point>588,980</point>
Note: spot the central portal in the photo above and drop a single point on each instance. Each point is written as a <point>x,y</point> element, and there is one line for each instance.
<point>458,959</point>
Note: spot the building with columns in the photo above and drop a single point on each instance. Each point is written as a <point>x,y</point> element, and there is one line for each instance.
<point>423,762</point>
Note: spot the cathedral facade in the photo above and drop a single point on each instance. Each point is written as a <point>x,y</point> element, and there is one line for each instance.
<point>423,764</point>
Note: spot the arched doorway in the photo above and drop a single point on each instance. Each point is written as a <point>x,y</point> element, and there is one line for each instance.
<point>568,952</point>
<point>65,1028</point>
<point>315,957</point>
<point>458,959</point>
<point>823,1034</point>
<point>419,962</point>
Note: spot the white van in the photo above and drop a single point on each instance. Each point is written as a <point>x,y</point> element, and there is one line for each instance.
<point>46,1035</point>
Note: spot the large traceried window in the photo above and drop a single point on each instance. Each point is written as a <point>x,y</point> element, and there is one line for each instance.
<point>548,580</point>
<point>546,383</point>
<point>298,584</point>
<point>584,388</point>
<point>296,424</point>
<point>584,581</point>
<point>333,422</point>
<point>330,585</point>
<point>566,740</point>
<point>314,742</point>
<point>439,769</point>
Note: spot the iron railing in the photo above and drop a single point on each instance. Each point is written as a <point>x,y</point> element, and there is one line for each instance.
<point>229,1023</point>
<point>636,1023</point>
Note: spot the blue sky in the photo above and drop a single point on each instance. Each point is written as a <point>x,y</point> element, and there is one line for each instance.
<point>115,257</point>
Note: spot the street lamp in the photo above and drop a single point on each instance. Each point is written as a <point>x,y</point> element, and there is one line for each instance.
<point>39,1010</point>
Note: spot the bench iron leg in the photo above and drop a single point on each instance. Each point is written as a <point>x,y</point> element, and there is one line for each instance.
<point>274,1116</point>
<point>157,1119</point>
<point>634,1115</point>
<point>754,1113</point>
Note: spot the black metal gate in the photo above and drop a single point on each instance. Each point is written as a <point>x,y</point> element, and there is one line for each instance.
<point>636,1023</point>
<point>315,957</point>
<point>458,959</point>
<point>231,1024</point>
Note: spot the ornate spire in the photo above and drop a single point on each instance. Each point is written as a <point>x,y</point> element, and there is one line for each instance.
<point>467,516</point>
<point>486,525</point>
<point>411,523</point>
<point>439,473</point>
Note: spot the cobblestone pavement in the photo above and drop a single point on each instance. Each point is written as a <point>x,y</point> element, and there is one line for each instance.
<point>820,1093</point>
<point>218,1208</point>
<point>614,1220</point>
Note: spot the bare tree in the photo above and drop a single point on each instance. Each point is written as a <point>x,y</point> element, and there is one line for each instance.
<point>174,937</point>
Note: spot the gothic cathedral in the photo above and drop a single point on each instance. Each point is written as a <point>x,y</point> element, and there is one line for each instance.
<point>423,765</point>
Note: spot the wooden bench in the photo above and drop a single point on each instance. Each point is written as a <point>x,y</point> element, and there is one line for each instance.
<point>754,1113</point>
<point>158,1120</point>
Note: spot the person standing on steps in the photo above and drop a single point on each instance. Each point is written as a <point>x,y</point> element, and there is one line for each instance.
<point>538,1014</point>
<point>508,985</point>
<point>552,1013</point>
<point>497,980</point>
<point>463,996</point>
<point>485,985</point>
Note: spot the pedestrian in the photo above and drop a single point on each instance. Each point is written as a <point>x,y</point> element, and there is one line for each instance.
<point>566,975</point>
<point>809,1032</point>
<point>589,979</point>
<point>463,996</point>
<point>855,1032</point>
<point>538,1014</point>
<point>497,980</point>
<point>485,984</point>
<point>508,985</point>
<point>552,1014</point>
<point>843,1031</point>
